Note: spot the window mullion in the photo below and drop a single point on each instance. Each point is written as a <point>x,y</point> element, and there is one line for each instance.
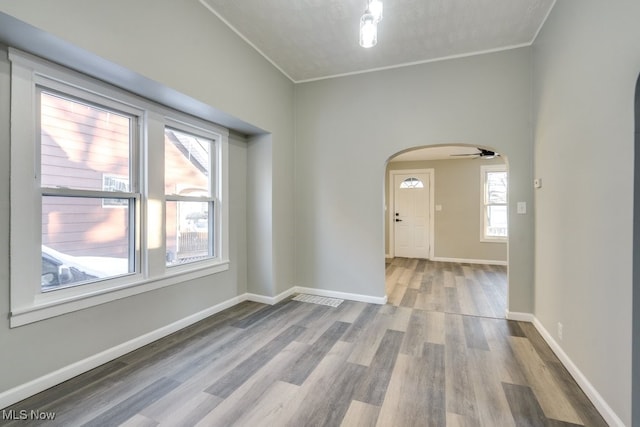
<point>152,161</point>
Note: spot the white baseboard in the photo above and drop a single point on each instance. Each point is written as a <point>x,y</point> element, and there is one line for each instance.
<point>470,261</point>
<point>598,401</point>
<point>341,295</point>
<point>319,292</point>
<point>388,256</point>
<point>601,405</point>
<point>270,300</point>
<point>520,317</point>
<point>37,385</point>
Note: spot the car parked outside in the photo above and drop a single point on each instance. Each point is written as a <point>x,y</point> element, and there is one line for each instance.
<point>63,270</point>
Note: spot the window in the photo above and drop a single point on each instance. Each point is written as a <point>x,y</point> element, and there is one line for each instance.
<point>111,195</point>
<point>412,183</point>
<point>190,198</point>
<point>83,143</point>
<point>494,203</point>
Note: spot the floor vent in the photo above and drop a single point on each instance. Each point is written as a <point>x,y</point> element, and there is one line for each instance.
<point>314,299</point>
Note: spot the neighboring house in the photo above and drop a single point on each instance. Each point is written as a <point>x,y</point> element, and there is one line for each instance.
<point>88,148</point>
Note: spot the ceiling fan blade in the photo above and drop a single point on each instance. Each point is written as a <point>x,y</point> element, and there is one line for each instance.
<point>465,155</point>
<point>487,153</point>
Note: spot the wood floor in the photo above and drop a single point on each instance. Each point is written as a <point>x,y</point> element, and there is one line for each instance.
<point>414,362</point>
<point>472,289</point>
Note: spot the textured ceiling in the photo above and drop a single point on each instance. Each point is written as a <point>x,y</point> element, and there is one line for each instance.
<point>314,39</point>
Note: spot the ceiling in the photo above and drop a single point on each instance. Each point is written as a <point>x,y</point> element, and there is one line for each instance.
<point>316,39</point>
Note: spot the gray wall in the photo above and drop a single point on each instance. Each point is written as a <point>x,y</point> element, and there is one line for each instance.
<point>346,130</point>
<point>586,65</point>
<point>200,57</point>
<point>457,225</point>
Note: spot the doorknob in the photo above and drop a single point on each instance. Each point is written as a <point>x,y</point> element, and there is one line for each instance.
<point>398,220</point>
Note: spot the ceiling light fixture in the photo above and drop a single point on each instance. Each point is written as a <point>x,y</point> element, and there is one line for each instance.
<point>369,23</point>
<point>375,7</point>
<point>368,31</point>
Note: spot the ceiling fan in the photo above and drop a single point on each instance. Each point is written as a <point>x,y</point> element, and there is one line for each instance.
<point>481,154</point>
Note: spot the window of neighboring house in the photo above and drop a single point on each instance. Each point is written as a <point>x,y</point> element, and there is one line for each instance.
<point>87,196</point>
<point>494,203</point>
<point>190,196</point>
<point>111,182</point>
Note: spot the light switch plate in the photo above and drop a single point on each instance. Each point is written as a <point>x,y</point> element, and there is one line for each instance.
<point>522,207</point>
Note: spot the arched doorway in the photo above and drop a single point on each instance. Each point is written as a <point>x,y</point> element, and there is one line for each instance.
<point>446,238</point>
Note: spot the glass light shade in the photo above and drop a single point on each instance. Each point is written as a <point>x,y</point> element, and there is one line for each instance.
<point>368,31</point>
<point>375,8</point>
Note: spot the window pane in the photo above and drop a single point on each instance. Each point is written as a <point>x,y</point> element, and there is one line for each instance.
<point>496,221</point>
<point>411,183</point>
<point>188,232</point>
<point>80,143</point>
<point>82,241</point>
<point>496,187</point>
<point>187,164</point>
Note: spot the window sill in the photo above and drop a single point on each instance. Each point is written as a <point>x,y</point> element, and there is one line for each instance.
<point>55,307</point>
<point>494,240</point>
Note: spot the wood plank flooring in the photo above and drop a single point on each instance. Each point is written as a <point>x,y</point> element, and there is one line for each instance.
<point>471,289</point>
<point>417,363</point>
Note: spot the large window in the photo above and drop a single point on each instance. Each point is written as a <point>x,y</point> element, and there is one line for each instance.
<point>494,203</point>
<point>112,195</point>
<point>80,142</point>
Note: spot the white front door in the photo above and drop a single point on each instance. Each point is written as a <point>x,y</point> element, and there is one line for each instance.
<point>411,215</point>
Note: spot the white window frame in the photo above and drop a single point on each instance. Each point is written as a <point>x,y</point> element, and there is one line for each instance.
<point>215,189</point>
<point>484,169</point>
<point>44,84</point>
<point>28,303</point>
